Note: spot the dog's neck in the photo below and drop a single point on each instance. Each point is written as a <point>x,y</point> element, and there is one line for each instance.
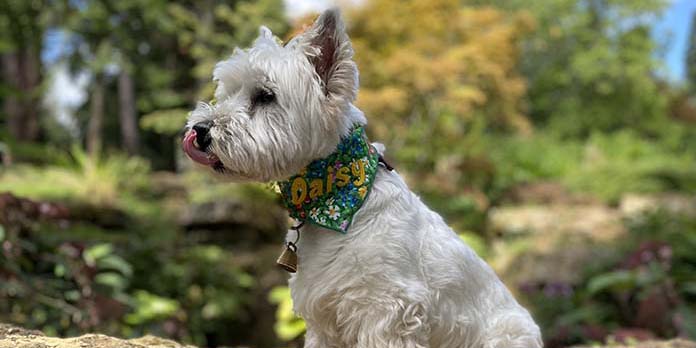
<point>330,190</point>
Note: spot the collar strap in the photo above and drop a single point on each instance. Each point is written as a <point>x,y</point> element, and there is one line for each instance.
<point>329,191</point>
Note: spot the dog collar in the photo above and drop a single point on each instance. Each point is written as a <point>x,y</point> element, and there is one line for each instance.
<point>329,191</point>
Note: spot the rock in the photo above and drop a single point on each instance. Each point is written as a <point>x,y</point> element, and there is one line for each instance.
<point>24,212</point>
<point>99,215</point>
<point>15,337</point>
<point>635,204</point>
<point>233,222</point>
<point>597,221</point>
<point>549,244</point>
<point>539,244</point>
<point>8,330</point>
<point>544,192</point>
<point>675,343</point>
<point>167,184</point>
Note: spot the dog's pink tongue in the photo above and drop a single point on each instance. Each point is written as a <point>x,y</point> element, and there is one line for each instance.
<point>194,153</point>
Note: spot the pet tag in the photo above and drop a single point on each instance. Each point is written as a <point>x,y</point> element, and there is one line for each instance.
<point>288,258</point>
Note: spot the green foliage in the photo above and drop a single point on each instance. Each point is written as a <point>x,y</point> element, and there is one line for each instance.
<point>208,189</point>
<point>691,56</point>
<point>169,50</point>
<point>605,165</point>
<point>653,271</point>
<point>475,242</point>
<point>590,64</point>
<point>424,80</point>
<point>149,307</point>
<point>129,281</point>
<point>200,284</point>
<point>168,121</point>
<point>529,159</point>
<point>453,88</point>
<point>625,162</point>
<point>38,154</point>
<point>288,326</point>
<point>84,178</point>
<point>59,286</point>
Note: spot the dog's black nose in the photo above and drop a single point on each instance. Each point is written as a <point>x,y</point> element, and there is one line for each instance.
<point>203,134</point>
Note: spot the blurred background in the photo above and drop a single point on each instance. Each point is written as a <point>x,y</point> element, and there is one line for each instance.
<point>557,137</point>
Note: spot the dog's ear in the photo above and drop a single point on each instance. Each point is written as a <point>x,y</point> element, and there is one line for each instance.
<point>265,37</point>
<point>328,48</point>
<point>266,33</point>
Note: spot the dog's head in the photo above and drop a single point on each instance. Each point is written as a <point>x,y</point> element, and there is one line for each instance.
<point>278,107</point>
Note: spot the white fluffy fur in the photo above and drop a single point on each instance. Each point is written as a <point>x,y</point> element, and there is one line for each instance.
<point>400,277</point>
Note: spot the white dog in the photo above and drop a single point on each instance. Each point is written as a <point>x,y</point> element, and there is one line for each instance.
<point>377,268</point>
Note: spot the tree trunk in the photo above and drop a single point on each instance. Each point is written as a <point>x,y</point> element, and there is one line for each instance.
<point>96,119</point>
<point>127,115</point>
<point>691,57</point>
<point>21,71</point>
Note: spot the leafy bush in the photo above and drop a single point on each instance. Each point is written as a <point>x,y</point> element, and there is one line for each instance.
<point>99,181</point>
<point>529,159</point>
<point>647,290</point>
<point>67,277</point>
<point>192,293</point>
<point>625,162</point>
<point>605,165</point>
<point>288,326</point>
<point>59,286</point>
<point>39,154</point>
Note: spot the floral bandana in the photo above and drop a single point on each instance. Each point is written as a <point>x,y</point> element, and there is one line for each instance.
<point>329,191</point>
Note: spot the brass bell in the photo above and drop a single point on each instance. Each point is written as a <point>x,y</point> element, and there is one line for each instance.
<point>288,258</point>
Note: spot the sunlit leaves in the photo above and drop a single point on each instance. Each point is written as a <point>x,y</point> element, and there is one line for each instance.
<point>435,75</point>
<point>288,326</point>
<point>165,121</point>
<point>150,307</point>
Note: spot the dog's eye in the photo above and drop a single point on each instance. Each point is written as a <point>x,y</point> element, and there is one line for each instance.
<point>262,96</point>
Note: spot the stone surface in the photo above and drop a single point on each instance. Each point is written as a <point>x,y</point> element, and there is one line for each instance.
<point>675,343</point>
<point>595,220</point>
<point>211,222</point>
<point>550,243</point>
<point>675,203</point>
<point>544,192</point>
<point>550,240</point>
<point>15,337</point>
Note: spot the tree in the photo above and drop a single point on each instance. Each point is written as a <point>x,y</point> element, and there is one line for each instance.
<point>95,125</point>
<point>22,25</point>
<point>436,74</point>
<point>127,112</point>
<point>691,57</point>
<point>158,56</point>
<point>590,64</point>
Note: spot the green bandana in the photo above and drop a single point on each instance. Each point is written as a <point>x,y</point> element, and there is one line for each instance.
<point>329,191</point>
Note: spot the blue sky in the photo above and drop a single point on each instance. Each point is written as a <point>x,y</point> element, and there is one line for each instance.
<point>673,30</point>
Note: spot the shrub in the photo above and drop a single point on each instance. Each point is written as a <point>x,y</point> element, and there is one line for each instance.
<point>647,290</point>
<point>99,181</point>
